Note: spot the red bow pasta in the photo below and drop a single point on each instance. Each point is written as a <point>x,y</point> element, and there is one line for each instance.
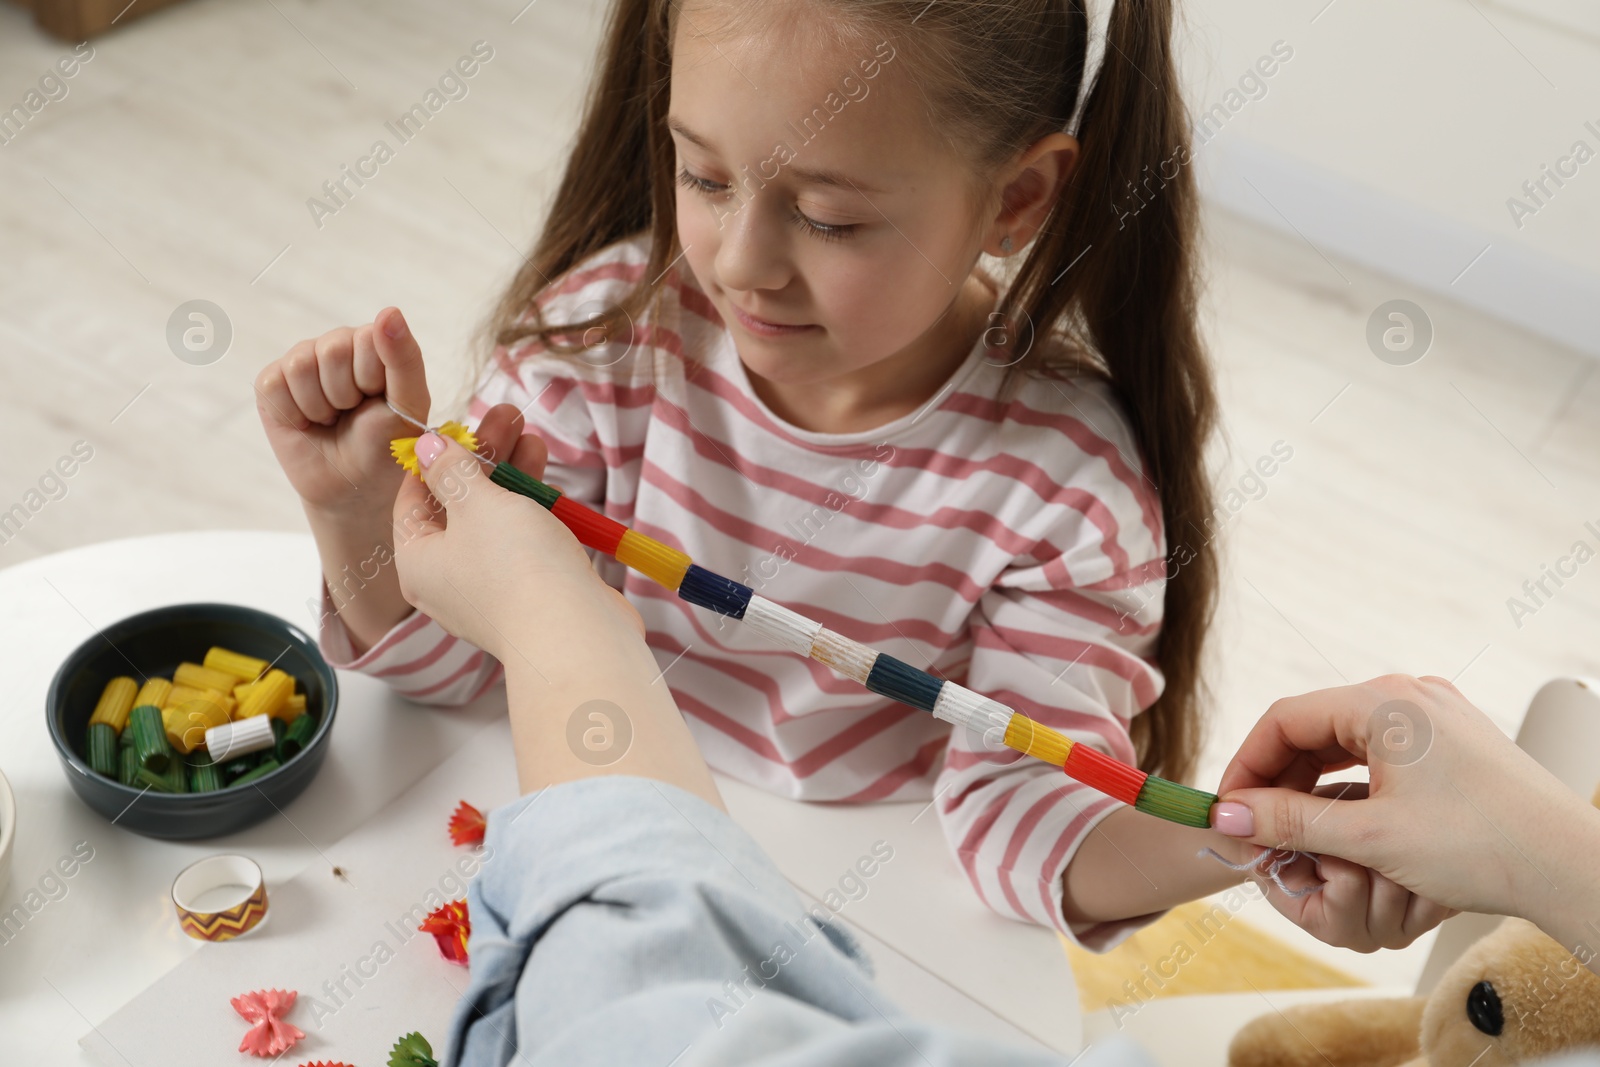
<point>325,1063</point>
<point>450,926</point>
<point>467,825</point>
<point>270,1036</point>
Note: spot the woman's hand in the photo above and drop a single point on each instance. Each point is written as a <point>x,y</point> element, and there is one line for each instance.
<point>1357,907</point>
<point>1455,812</point>
<point>490,566</point>
<point>500,571</point>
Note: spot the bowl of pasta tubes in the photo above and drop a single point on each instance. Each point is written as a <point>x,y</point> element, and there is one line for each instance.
<point>193,720</point>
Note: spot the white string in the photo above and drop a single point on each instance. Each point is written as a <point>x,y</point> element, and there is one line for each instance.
<point>424,427</point>
<point>485,460</point>
<point>1274,870</point>
<point>1099,19</point>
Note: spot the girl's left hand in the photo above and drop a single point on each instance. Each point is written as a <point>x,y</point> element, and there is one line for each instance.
<point>490,566</point>
<point>1357,908</point>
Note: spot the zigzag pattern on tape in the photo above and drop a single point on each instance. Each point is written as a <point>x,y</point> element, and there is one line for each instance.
<point>224,925</point>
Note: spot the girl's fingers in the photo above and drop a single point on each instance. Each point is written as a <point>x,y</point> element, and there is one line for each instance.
<point>1423,915</point>
<point>336,368</point>
<point>530,454</point>
<point>1387,904</point>
<point>498,431</point>
<point>305,385</point>
<point>366,367</point>
<point>274,400</point>
<point>405,378</point>
<point>1345,903</point>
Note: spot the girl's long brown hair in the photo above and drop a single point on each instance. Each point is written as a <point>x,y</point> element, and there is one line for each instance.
<point>1112,272</point>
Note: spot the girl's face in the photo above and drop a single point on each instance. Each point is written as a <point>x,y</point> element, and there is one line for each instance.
<point>813,195</point>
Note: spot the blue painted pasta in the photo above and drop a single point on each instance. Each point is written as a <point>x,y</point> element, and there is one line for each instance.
<point>901,681</point>
<point>721,595</point>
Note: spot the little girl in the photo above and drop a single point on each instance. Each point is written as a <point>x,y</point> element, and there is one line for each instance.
<point>755,327</point>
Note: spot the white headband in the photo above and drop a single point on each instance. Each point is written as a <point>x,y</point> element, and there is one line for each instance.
<point>1099,19</point>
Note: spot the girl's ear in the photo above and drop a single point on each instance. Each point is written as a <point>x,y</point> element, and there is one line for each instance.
<point>1033,184</point>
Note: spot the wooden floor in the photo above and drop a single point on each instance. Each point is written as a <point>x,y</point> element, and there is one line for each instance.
<point>179,166</point>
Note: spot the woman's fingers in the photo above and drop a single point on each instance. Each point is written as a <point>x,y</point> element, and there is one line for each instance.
<point>1304,822</point>
<point>1328,726</point>
<point>416,514</point>
<point>456,478</point>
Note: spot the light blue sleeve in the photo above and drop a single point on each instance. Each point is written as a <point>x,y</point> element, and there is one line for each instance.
<point>625,921</point>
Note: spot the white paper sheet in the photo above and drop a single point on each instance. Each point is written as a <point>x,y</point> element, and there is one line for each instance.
<point>348,945</point>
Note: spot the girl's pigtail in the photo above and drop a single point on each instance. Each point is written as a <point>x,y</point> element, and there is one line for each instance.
<point>609,190</point>
<point>1121,248</point>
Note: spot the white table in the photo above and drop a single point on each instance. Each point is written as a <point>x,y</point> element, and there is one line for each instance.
<point>109,931</point>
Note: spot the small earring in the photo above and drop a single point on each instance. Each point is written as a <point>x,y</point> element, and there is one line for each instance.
<point>1005,244</point>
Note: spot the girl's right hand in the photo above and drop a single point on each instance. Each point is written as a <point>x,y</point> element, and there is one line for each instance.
<point>323,409</point>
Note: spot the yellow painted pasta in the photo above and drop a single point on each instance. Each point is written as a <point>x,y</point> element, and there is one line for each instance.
<point>269,696</point>
<point>186,724</point>
<point>297,701</point>
<point>656,561</point>
<point>293,708</point>
<point>1037,740</point>
<point>185,694</point>
<point>237,664</point>
<point>199,677</point>
<point>154,691</point>
<point>116,700</point>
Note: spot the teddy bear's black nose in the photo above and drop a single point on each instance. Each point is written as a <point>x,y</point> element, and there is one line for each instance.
<point>1483,1008</point>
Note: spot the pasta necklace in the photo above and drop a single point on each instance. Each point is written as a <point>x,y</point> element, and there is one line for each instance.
<point>880,672</point>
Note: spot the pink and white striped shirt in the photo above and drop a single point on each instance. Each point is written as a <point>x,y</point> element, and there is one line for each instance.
<point>1010,545</point>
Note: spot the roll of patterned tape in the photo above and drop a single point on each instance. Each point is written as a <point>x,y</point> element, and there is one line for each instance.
<point>220,898</point>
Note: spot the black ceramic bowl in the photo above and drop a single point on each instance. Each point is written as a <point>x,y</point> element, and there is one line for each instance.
<point>154,643</point>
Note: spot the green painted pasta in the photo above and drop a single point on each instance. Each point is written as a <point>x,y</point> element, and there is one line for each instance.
<point>150,738</point>
<point>127,761</point>
<point>1181,804</point>
<point>204,775</point>
<point>235,769</point>
<point>101,741</point>
<point>261,770</point>
<point>296,737</point>
<point>174,779</point>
